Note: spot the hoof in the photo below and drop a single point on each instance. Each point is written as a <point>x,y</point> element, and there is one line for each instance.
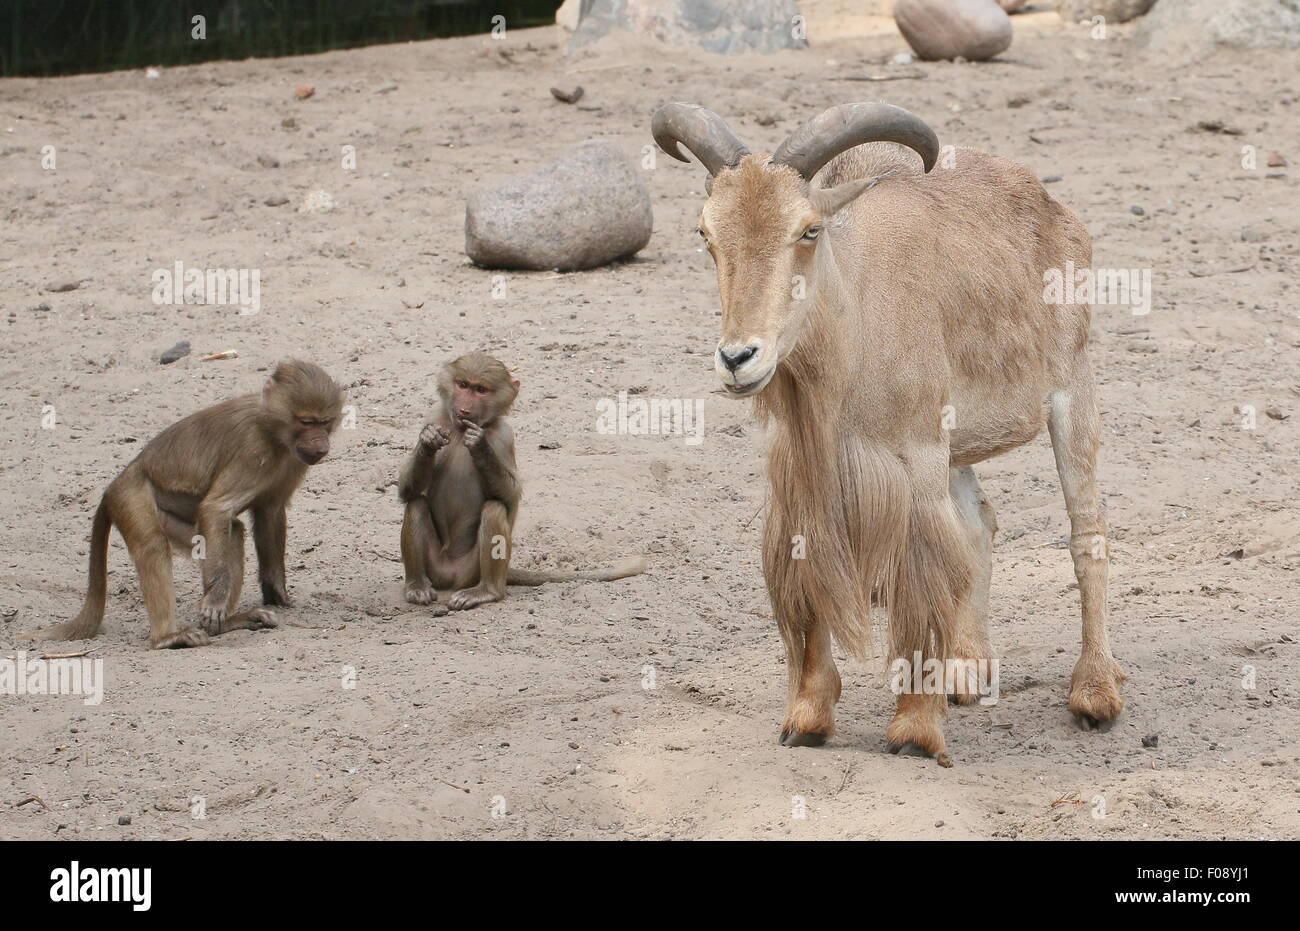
<point>1087,722</point>
<point>796,738</point>
<point>911,749</point>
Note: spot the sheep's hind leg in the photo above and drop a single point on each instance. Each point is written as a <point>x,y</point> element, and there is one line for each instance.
<point>971,637</point>
<point>1074,425</point>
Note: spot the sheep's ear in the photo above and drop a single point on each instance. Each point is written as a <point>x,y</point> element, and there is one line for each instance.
<point>830,201</point>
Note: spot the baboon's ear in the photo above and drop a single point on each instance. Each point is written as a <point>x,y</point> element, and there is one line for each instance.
<point>515,382</point>
<point>830,201</point>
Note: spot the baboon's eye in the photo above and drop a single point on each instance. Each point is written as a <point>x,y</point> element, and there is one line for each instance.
<point>703,235</point>
<point>462,385</point>
<point>810,233</point>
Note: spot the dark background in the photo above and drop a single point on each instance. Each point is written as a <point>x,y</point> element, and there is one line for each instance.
<point>48,37</point>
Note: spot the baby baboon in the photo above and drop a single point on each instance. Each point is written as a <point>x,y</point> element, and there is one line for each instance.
<point>461,490</point>
<point>189,486</point>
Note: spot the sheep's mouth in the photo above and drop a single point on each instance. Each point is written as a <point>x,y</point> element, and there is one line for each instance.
<point>749,387</point>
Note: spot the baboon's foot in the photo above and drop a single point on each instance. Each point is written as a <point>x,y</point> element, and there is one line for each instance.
<point>1094,692</point>
<point>212,616</point>
<point>185,637</point>
<point>421,594</point>
<point>62,631</point>
<point>275,596</point>
<point>256,619</point>
<point>916,729</point>
<point>468,598</point>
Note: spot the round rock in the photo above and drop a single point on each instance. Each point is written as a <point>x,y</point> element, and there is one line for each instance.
<point>970,29</point>
<point>589,207</point>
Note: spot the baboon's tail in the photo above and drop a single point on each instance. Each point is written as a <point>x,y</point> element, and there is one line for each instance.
<point>633,565</point>
<point>86,623</point>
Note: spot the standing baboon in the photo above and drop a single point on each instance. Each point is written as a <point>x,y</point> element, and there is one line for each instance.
<point>187,489</point>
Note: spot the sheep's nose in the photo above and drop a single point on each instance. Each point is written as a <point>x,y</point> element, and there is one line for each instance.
<point>735,358</point>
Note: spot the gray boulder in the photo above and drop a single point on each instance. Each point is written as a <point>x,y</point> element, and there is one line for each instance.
<point>723,26</point>
<point>970,29</point>
<point>1115,11</point>
<point>1192,29</point>
<point>589,207</point>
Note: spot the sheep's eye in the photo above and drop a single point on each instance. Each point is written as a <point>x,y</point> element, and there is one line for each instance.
<point>810,233</point>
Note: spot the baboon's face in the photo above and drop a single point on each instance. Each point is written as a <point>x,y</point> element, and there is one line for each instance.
<point>761,230</point>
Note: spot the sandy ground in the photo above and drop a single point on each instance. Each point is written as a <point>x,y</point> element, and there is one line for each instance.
<point>535,708</point>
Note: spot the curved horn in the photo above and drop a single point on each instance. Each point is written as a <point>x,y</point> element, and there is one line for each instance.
<point>823,137</point>
<point>700,130</point>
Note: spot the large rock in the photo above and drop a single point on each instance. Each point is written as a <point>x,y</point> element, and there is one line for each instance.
<point>589,207</point>
<point>970,29</point>
<point>1191,29</point>
<point>724,26</point>
<point>1115,11</point>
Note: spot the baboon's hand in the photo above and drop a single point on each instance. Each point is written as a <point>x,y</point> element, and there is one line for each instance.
<point>433,438</point>
<point>473,434</point>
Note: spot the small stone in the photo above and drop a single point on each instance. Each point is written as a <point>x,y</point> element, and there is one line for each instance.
<point>568,94</point>
<point>1114,11</point>
<point>64,286</point>
<point>179,351</point>
<point>124,819</point>
<point>1276,413</point>
<point>288,123</point>
<point>268,161</point>
<point>1151,740</point>
<point>1137,211</point>
<point>1276,160</point>
<point>303,91</point>
<point>276,200</point>
<point>1051,179</point>
<point>317,202</point>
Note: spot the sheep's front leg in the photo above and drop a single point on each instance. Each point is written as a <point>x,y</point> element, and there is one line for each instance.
<point>814,685</point>
<point>932,588</point>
